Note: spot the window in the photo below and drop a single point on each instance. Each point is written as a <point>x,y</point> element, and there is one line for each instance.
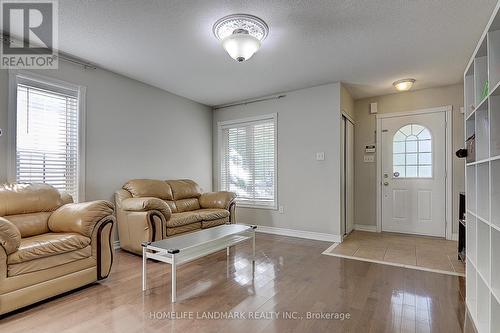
<point>47,122</point>
<point>248,160</point>
<point>412,152</point>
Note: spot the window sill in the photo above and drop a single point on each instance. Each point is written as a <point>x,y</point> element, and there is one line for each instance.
<point>241,205</point>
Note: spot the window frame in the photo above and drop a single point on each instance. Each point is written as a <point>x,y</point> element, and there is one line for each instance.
<point>14,76</point>
<point>417,153</point>
<point>221,125</point>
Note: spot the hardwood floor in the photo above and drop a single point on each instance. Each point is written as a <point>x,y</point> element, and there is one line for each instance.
<point>290,277</point>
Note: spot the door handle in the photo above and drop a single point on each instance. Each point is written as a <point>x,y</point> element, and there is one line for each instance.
<point>386,183</point>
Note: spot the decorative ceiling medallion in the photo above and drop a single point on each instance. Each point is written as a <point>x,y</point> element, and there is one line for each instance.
<point>240,35</point>
<point>227,25</point>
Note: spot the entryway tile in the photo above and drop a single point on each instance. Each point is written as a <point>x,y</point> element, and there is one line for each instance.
<point>368,252</point>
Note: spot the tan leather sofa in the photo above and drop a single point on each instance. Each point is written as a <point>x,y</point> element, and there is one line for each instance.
<point>151,210</point>
<point>49,245</point>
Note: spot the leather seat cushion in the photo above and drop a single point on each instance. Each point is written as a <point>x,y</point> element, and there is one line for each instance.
<point>214,223</point>
<point>28,198</point>
<point>149,188</point>
<point>184,228</point>
<point>47,245</point>
<point>48,262</point>
<point>180,219</point>
<point>31,224</point>
<point>184,189</point>
<point>187,205</point>
<point>185,218</point>
<point>212,214</point>
<point>172,205</point>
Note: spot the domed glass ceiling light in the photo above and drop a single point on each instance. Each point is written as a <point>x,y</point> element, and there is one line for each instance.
<point>241,35</point>
<point>404,84</point>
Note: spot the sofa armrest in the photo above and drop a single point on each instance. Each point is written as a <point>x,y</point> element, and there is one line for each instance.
<point>147,204</point>
<point>66,197</point>
<point>80,217</point>
<point>10,237</point>
<point>222,200</point>
<point>103,246</point>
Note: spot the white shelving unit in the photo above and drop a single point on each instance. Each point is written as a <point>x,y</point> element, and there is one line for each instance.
<point>470,289</point>
<point>482,119</point>
<point>495,314</point>
<point>495,263</point>
<point>495,123</point>
<point>471,238</point>
<point>495,193</point>
<point>482,191</point>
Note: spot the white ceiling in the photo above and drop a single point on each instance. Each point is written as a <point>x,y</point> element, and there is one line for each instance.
<point>365,43</point>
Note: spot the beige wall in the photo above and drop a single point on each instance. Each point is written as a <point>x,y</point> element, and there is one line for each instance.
<point>346,102</point>
<point>133,130</point>
<point>365,179</point>
<point>308,190</point>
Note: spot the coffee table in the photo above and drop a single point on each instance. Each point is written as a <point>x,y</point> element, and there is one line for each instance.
<point>182,249</point>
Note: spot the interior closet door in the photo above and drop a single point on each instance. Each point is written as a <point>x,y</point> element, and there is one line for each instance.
<point>349,176</point>
<point>342,177</point>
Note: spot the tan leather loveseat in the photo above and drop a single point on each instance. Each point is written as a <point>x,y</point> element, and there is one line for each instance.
<point>49,245</point>
<point>150,210</point>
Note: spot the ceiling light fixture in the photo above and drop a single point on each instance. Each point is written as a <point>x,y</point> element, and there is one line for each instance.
<point>404,84</point>
<point>241,35</point>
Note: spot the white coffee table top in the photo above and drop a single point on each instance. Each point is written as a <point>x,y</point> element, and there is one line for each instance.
<point>198,238</point>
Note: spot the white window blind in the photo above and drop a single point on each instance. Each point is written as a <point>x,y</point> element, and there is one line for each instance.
<point>248,161</point>
<point>47,137</point>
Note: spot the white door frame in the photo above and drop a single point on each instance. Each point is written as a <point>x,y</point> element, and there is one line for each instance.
<point>449,165</point>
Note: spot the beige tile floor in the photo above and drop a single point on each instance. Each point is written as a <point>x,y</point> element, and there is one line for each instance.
<point>421,252</point>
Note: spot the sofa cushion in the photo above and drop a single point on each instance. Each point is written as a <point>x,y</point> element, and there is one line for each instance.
<point>28,198</point>
<point>183,229</point>
<point>149,188</point>
<point>146,204</point>
<point>184,188</point>
<point>172,205</point>
<point>31,224</point>
<point>212,214</point>
<point>186,205</point>
<point>214,223</point>
<point>180,219</point>
<point>217,199</point>
<point>10,237</point>
<point>47,245</point>
<point>80,217</point>
<point>48,262</point>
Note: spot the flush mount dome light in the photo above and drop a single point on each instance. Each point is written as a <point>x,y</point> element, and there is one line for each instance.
<point>404,84</point>
<point>241,35</point>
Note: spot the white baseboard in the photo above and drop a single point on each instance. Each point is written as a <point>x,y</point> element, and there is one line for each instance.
<point>284,232</point>
<point>365,227</point>
<point>306,234</point>
<point>300,234</point>
<point>373,228</point>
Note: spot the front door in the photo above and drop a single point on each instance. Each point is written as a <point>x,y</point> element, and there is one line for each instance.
<point>414,174</point>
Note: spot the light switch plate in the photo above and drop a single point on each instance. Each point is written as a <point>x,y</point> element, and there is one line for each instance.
<point>281,209</point>
<point>369,158</point>
<point>320,156</point>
